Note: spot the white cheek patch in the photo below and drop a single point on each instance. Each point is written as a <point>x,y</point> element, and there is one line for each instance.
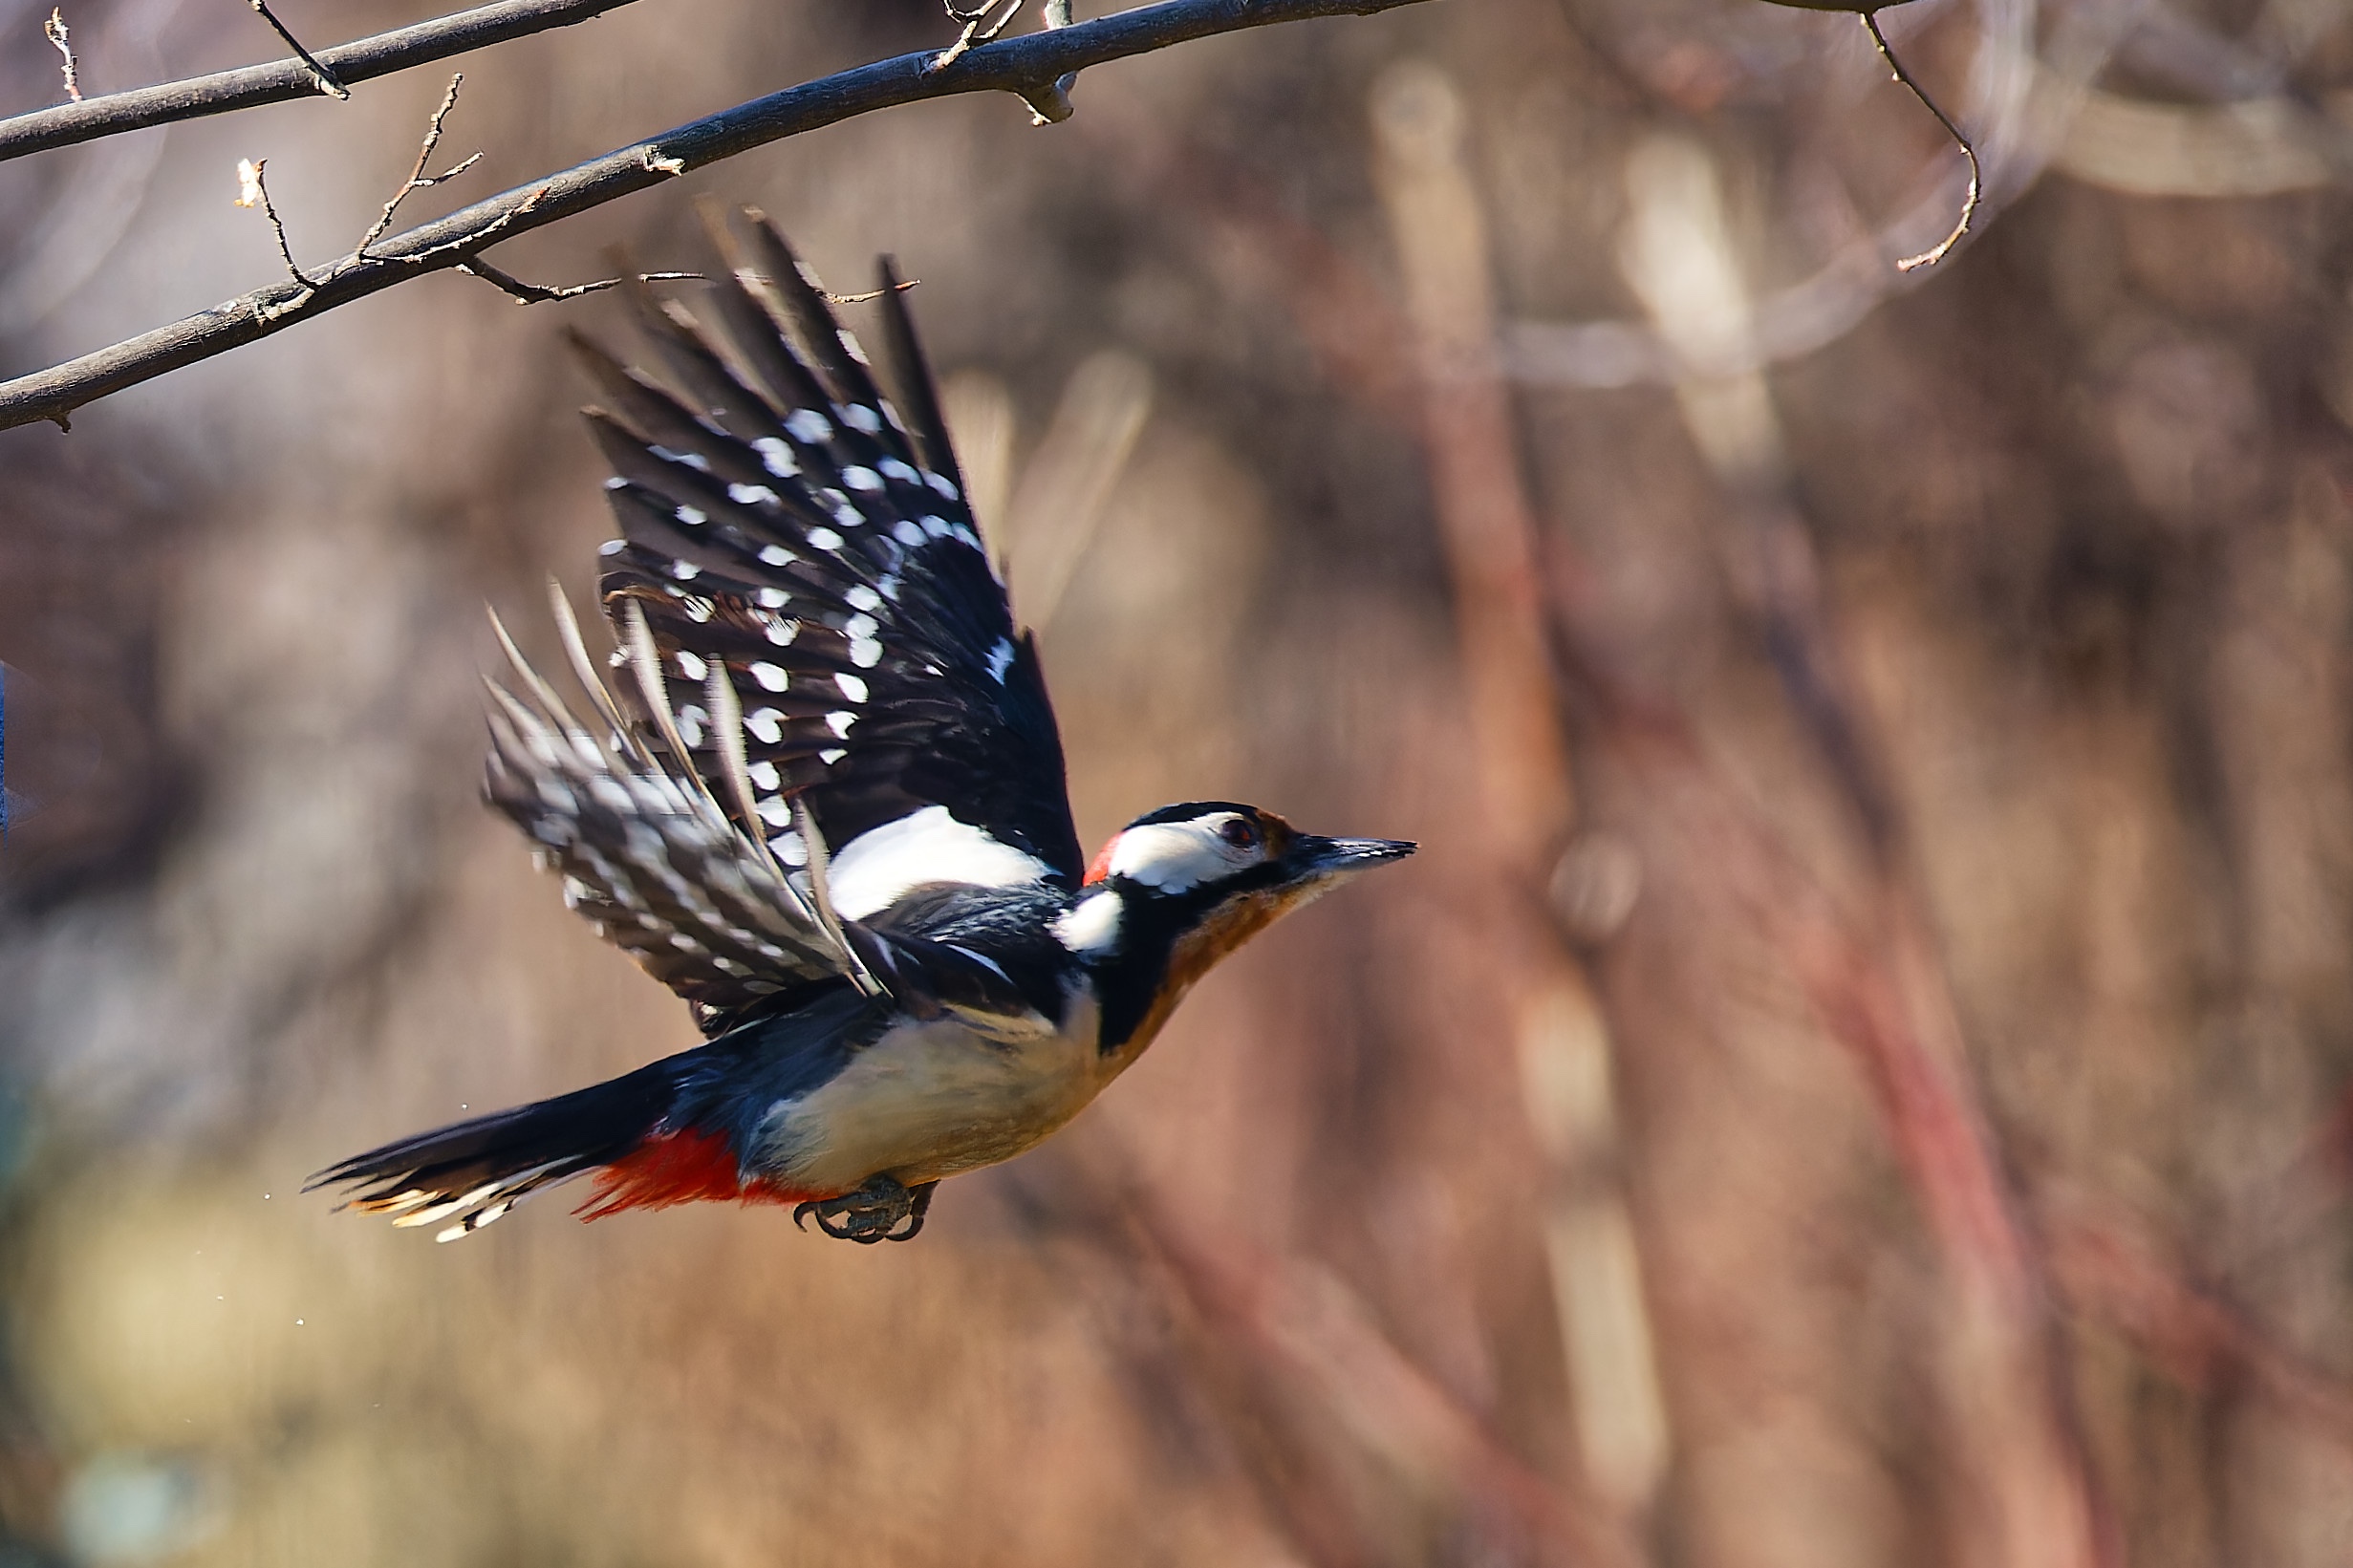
<point>1090,927</point>
<point>871,871</point>
<point>1178,856</point>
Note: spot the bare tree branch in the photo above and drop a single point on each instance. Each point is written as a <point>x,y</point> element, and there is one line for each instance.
<point>86,119</point>
<point>1026,66</point>
<point>322,78</point>
<point>1052,104</point>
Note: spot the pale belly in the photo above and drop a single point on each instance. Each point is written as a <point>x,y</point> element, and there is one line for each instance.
<point>930,1100</point>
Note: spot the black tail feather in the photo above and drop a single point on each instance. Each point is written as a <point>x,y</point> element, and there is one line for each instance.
<point>472,1172</point>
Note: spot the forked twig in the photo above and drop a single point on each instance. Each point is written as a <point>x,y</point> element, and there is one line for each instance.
<point>55,31</point>
<point>978,29</point>
<point>417,178</point>
<point>324,80</point>
<point>1968,203</point>
<point>254,191</point>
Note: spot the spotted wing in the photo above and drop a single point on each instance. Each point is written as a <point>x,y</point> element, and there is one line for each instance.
<point>785,525</point>
<point>647,855</point>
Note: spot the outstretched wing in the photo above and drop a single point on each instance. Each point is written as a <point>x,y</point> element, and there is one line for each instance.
<point>647,853</point>
<point>801,551</point>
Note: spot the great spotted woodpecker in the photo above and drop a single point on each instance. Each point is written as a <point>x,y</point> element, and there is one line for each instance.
<point>814,649</point>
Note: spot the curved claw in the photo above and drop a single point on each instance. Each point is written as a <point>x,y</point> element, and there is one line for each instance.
<point>874,1213</point>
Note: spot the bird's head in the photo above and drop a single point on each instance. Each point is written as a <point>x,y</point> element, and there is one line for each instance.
<point>1178,889</point>
<point>1207,853</point>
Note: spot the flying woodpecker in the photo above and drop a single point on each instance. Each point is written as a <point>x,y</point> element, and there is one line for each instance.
<point>817,791</point>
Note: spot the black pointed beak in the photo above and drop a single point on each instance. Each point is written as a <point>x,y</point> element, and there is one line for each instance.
<point>1320,857</point>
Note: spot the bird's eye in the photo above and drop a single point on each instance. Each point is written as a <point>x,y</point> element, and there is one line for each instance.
<point>1240,832</point>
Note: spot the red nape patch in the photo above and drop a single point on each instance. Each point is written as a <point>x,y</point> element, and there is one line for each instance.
<point>689,1166</point>
<point>1100,867</point>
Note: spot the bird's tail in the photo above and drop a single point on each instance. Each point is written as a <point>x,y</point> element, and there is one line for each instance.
<point>465,1176</point>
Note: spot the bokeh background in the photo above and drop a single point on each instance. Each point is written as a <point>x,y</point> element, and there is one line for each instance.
<point>1857,1074</point>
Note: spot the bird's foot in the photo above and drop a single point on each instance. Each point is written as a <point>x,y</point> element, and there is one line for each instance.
<point>874,1213</point>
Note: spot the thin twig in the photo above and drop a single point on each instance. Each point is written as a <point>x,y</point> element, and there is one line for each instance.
<point>55,28</point>
<point>253,190</point>
<point>539,293</point>
<point>417,178</point>
<point>1018,65</point>
<point>978,29</point>
<point>1968,203</point>
<point>529,294</point>
<point>832,298</point>
<point>280,81</point>
<point>470,241</point>
<point>322,78</point>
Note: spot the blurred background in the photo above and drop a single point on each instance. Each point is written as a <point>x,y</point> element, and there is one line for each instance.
<point>1857,1074</point>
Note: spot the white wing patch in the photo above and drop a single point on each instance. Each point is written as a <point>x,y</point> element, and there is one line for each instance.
<point>1179,856</point>
<point>872,870</point>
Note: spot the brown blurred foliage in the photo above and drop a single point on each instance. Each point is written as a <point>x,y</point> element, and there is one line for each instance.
<point>1856,1075</point>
